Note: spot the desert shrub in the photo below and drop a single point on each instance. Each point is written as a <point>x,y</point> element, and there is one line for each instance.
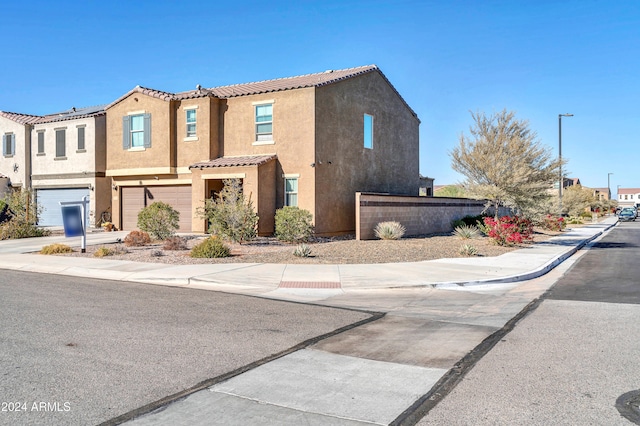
<point>137,239</point>
<point>468,221</point>
<point>467,232</point>
<point>553,223</point>
<point>585,215</point>
<point>574,220</point>
<point>14,229</point>
<point>21,214</point>
<point>103,251</point>
<point>293,224</point>
<point>509,230</point>
<point>468,250</point>
<point>56,249</point>
<point>302,250</point>
<point>159,219</point>
<point>389,230</point>
<point>231,216</point>
<point>212,247</point>
<point>175,243</point>
<point>4,216</point>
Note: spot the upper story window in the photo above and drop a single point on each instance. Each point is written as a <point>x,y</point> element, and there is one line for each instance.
<point>8,144</point>
<point>368,131</point>
<point>191,122</point>
<point>41,142</point>
<point>61,141</point>
<point>264,122</point>
<point>81,146</point>
<point>136,131</point>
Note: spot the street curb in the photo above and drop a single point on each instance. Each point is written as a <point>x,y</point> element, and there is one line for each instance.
<point>544,269</point>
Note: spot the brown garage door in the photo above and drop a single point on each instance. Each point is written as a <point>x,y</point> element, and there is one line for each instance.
<point>135,199</point>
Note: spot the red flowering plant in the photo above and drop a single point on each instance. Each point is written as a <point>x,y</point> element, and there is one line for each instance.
<point>553,223</point>
<point>509,230</point>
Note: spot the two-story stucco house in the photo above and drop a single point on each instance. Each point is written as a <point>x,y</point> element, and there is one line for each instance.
<point>628,197</point>
<point>68,155</point>
<point>310,141</point>
<point>15,162</point>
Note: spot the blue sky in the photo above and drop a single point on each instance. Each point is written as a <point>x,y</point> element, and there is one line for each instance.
<point>446,58</point>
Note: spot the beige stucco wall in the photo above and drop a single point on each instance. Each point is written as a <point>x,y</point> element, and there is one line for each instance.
<point>419,215</point>
<point>21,158</point>
<point>347,167</point>
<point>293,142</point>
<point>204,146</point>
<point>160,157</point>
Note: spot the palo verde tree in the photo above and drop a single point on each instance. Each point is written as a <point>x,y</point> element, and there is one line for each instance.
<point>504,163</point>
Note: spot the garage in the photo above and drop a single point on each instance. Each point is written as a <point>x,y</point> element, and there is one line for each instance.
<point>49,200</point>
<point>136,198</point>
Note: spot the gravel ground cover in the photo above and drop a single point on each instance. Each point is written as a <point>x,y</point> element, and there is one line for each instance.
<point>340,250</point>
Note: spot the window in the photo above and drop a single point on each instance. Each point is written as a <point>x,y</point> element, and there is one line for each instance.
<point>8,144</point>
<point>40,142</point>
<point>368,131</point>
<point>81,138</point>
<point>136,131</point>
<point>291,192</point>
<point>191,123</point>
<point>264,122</point>
<point>60,143</point>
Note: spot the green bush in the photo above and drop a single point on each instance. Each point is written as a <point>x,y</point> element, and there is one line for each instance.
<point>231,216</point>
<point>137,239</point>
<point>389,230</point>
<point>468,221</point>
<point>293,224</point>
<point>159,219</point>
<point>210,248</point>
<point>56,249</point>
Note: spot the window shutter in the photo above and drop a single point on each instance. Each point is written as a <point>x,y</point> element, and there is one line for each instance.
<point>13,144</point>
<point>147,130</point>
<point>4,145</point>
<point>126,141</point>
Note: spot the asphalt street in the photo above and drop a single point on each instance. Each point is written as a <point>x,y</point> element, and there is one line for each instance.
<point>78,351</point>
<point>571,359</point>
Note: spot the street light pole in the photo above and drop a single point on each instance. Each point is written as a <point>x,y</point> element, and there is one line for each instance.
<point>609,184</point>
<point>560,180</point>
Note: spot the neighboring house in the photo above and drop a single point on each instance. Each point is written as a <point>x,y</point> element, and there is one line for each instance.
<point>15,162</point>
<point>310,141</point>
<point>68,163</point>
<point>601,194</point>
<point>628,197</point>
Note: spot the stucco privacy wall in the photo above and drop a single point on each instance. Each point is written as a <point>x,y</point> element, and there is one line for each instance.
<point>419,215</point>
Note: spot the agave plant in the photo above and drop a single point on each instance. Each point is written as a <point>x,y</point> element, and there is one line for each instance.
<point>468,250</point>
<point>389,230</point>
<point>467,232</point>
<point>302,250</point>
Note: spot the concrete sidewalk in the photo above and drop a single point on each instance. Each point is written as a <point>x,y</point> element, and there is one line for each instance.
<point>371,374</point>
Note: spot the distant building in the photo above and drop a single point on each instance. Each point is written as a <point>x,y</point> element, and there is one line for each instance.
<point>628,197</point>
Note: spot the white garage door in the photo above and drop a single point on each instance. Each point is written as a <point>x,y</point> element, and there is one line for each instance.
<point>49,200</point>
<point>135,199</point>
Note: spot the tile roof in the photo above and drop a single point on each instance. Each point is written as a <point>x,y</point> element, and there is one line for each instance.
<point>20,118</point>
<point>266,86</point>
<point>288,83</point>
<point>628,190</point>
<point>246,160</point>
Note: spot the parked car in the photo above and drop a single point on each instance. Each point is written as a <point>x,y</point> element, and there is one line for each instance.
<point>626,215</point>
